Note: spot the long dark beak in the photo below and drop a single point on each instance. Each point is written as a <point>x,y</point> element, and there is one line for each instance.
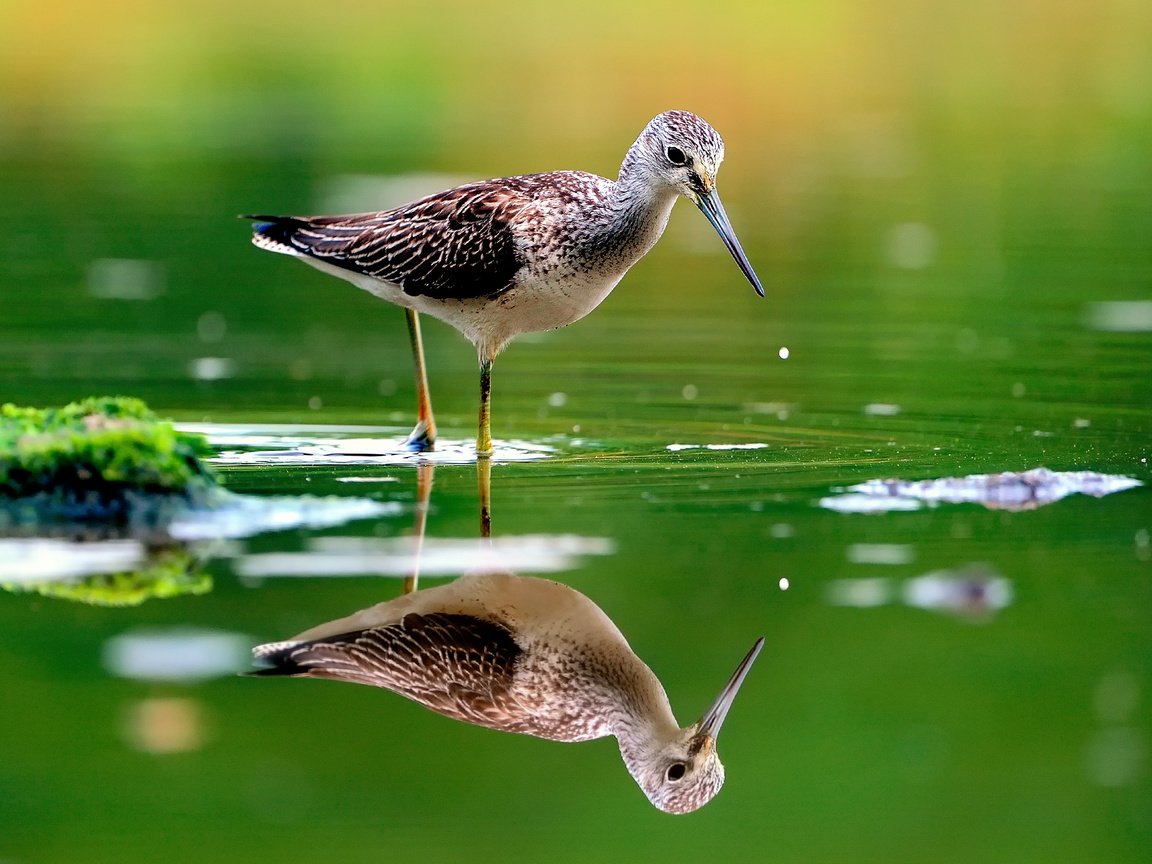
<point>713,718</point>
<point>710,206</point>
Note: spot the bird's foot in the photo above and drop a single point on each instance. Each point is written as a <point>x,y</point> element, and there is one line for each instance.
<point>422,438</point>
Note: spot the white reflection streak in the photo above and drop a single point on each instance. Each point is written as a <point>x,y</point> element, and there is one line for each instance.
<point>211,368</point>
<point>354,556</point>
<point>245,516</point>
<point>892,554</point>
<point>968,591</point>
<point>861,593</point>
<point>1120,316</point>
<point>176,654</point>
<point>972,591</point>
<point>31,560</point>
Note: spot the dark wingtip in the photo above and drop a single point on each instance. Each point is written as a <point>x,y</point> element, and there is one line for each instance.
<point>275,659</point>
<point>278,231</point>
<point>263,221</point>
<point>270,219</point>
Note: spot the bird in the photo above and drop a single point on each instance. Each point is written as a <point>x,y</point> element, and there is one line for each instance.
<point>520,254</point>
<point>521,654</point>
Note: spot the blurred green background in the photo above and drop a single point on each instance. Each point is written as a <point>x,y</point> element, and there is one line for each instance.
<point>951,209</point>
<point>920,157</point>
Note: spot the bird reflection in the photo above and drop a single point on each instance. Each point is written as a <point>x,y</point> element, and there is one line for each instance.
<point>521,654</point>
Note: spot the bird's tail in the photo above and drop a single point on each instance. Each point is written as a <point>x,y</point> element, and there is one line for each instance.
<point>277,659</point>
<point>275,233</point>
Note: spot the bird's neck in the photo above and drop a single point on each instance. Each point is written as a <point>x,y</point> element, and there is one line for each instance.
<point>637,211</point>
<point>642,721</point>
<point>641,746</point>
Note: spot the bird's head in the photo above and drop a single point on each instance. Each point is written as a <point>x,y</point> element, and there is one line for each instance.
<point>683,152</point>
<point>685,773</point>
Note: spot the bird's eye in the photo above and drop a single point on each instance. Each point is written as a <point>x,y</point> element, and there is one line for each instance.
<point>676,156</point>
<point>676,771</point>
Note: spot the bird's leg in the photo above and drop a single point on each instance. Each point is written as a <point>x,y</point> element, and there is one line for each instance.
<point>484,434</point>
<point>424,473</point>
<point>423,435</point>
<point>484,486</point>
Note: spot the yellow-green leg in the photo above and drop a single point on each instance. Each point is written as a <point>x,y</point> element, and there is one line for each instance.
<point>484,487</point>
<point>423,435</point>
<point>424,474</point>
<point>484,433</point>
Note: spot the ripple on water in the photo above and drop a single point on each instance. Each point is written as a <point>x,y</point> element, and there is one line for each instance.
<point>271,444</point>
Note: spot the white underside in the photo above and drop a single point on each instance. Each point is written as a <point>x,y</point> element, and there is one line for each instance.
<point>489,324</point>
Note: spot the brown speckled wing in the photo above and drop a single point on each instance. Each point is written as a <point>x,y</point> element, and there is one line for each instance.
<point>453,245</point>
<point>457,665</point>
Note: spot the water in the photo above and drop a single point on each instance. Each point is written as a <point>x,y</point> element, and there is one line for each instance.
<point>961,284</point>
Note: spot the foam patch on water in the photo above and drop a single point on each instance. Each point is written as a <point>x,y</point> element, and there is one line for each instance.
<point>676,448</point>
<point>272,444</point>
<point>1009,490</point>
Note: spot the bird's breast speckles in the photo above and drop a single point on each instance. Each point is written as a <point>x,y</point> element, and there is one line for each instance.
<point>580,688</point>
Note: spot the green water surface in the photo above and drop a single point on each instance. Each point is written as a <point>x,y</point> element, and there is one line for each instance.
<point>947,224</point>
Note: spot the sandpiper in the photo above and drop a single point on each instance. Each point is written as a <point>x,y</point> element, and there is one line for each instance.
<point>517,254</point>
<point>522,654</point>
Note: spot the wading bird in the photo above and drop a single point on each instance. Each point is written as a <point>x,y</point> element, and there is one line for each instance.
<point>522,654</point>
<point>518,254</point>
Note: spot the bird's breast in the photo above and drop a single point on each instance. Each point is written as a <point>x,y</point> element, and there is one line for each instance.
<point>545,300</point>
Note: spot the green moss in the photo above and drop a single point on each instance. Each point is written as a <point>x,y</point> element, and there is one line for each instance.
<point>87,459</point>
<point>169,572</point>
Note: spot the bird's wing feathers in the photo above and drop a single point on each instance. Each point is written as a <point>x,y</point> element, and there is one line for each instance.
<point>458,665</point>
<point>454,245</point>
